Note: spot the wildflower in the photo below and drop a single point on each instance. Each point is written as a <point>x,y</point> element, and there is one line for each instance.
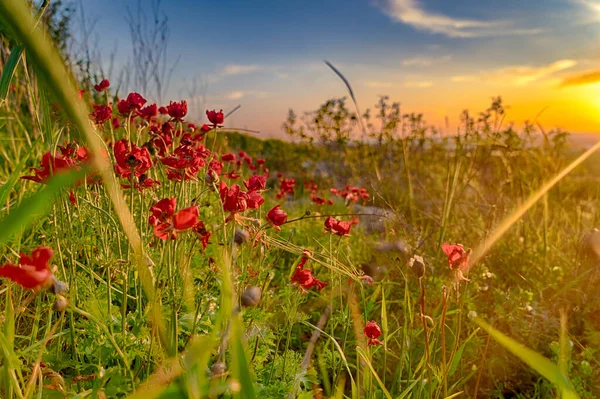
<point>133,102</point>
<point>101,114</point>
<point>303,277</point>
<point>337,227</point>
<point>177,110</point>
<point>204,234</point>
<point>149,112</point>
<point>50,166</point>
<point>260,161</point>
<point>254,199</point>
<point>131,159</point>
<point>228,157</point>
<point>216,118</point>
<point>458,259</point>
<point>205,128</point>
<point>167,223</point>
<point>33,271</point>
<point>373,332</point>
<point>286,186</point>
<point>277,216</point>
<point>256,183</point>
<point>103,85</point>
<point>367,279</point>
<point>232,198</point>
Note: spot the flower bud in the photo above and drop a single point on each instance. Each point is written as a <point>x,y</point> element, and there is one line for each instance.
<point>61,303</point>
<point>417,264</point>
<point>251,296</point>
<point>59,287</point>
<point>241,236</point>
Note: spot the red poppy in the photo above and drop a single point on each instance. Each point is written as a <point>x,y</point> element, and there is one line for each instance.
<point>254,199</point>
<point>131,159</point>
<point>337,227</point>
<point>33,271</point>
<point>458,259</point>
<point>228,157</point>
<point>216,118</point>
<point>163,110</point>
<point>167,223</point>
<point>233,198</point>
<point>304,278</point>
<point>103,85</point>
<point>101,114</point>
<point>177,110</point>
<point>133,102</point>
<point>50,166</point>
<point>204,235</point>
<point>256,183</point>
<point>149,112</point>
<point>205,128</point>
<point>277,216</point>
<point>372,332</point>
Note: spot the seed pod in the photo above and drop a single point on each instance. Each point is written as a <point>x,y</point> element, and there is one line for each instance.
<point>251,297</point>
<point>218,369</point>
<point>59,287</point>
<point>417,264</point>
<point>61,303</point>
<point>241,236</point>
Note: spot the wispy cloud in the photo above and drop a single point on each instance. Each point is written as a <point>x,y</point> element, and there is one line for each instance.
<point>419,84</point>
<point>237,69</point>
<point>525,74</point>
<point>412,13</point>
<point>425,61</point>
<point>583,78</point>
<point>375,84</point>
<point>236,95</point>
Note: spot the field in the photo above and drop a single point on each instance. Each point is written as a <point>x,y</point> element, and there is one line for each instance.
<point>145,256</point>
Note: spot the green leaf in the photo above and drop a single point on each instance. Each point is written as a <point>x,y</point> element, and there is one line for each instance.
<point>37,205</point>
<point>539,363</point>
<point>9,70</point>
<point>239,359</point>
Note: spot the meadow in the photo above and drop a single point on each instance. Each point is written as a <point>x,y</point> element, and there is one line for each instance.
<point>370,256</point>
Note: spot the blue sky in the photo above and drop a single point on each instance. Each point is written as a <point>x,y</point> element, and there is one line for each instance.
<point>433,56</point>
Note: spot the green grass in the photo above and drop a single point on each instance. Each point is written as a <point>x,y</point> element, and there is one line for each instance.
<point>148,318</point>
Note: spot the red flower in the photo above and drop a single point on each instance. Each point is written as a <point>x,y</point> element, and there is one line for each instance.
<point>233,198</point>
<point>373,331</point>
<point>33,271</point>
<point>254,199</point>
<point>163,110</point>
<point>205,128</point>
<point>101,113</point>
<point>50,166</point>
<point>149,112</point>
<point>185,162</point>
<point>177,110</point>
<point>143,183</point>
<point>304,278</point>
<point>116,123</point>
<point>228,157</point>
<point>458,259</point>
<point>200,229</point>
<point>256,183</point>
<point>260,161</point>
<point>167,223</point>
<point>337,227</point>
<point>216,118</point>
<point>103,85</point>
<point>277,216</point>
<point>131,159</point>
<point>133,102</point>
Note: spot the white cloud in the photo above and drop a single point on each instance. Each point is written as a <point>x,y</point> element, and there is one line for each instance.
<point>236,69</point>
<point>525,74</point>
<point>424,61</point>
<point>412,13</point>
<point>418,84</point>
<point>235,95</point>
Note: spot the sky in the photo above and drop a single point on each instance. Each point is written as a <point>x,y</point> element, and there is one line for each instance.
<point>435,57</point>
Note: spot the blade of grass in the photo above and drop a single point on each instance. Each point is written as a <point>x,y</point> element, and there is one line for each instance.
<point>17,16</point>
<point>9,71</point>
<point>37,205</point>
<point>366,360</point>
<point>539,363</point>
<point>14,177</point>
